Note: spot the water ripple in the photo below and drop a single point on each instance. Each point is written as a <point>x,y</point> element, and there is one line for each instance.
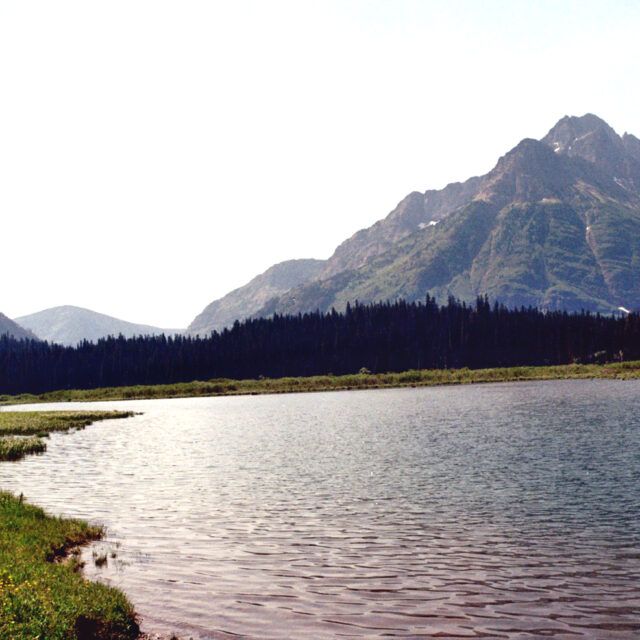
<point>492,511</point>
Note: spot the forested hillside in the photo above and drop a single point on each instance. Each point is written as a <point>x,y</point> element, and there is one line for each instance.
<point>381,337</point>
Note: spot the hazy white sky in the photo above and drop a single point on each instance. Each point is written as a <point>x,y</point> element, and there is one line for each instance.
<point>155,155</point>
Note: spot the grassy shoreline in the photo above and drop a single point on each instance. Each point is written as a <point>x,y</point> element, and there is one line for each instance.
<point>412,378</point>
<point>42,596</point>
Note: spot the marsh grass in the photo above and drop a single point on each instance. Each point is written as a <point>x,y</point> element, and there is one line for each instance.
<point>44,422</point>
<point>16,447</point>
<point>363,380</point>
<point>40,596</point>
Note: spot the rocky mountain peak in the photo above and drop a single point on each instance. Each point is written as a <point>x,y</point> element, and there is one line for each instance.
<point>570,134</point>
<point>592,139</point>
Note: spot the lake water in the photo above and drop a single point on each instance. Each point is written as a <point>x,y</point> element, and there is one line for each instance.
<point>489,511</point>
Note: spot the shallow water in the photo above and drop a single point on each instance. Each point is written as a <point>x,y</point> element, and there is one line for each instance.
<point>489,511</point>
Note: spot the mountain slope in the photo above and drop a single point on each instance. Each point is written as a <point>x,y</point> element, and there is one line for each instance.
<point>417,210</point>
<point>556,224</point>
<point>247,300</point>
<point>14,330</point>
<point>69,325</point>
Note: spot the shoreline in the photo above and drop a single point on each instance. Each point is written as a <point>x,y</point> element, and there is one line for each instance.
<point>42,589</point>
<point>348,382</point>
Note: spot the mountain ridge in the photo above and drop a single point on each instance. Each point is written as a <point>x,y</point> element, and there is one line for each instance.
<point>14,330</point>
<point>250,298</point>
<point>555,224</point>
<point>68,325</point>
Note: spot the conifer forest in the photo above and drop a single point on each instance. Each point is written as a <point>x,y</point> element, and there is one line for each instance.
<point>381,337</point>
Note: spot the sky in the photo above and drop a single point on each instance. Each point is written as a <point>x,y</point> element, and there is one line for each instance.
<point>155,155</point>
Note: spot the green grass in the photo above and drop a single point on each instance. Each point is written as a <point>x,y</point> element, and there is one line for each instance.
<point>42,594</point>
<point>413,378</point>
<point>16,447</point>
<point>44,422</point>
<point>19,430</point>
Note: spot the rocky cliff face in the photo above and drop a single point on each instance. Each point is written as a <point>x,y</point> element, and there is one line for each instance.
<point>593,140</point>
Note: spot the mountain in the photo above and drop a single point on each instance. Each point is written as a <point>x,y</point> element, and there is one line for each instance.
<point>247,300</point>
<point>416,211</point>
<point>69,325</point>
<point>11,328</point>
<point>555,224</point>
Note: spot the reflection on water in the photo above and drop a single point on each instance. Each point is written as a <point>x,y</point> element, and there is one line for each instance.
<point>492,511</point>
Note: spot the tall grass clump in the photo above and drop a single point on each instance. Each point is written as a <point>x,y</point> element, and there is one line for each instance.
<point>16,447</point>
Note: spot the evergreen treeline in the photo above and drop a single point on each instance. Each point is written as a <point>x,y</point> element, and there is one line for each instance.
<point>381,337</point>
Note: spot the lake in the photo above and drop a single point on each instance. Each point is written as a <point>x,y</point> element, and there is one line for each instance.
<point>483,511</point>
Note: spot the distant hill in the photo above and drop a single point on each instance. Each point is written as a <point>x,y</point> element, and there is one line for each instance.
<point>556,225</point>
<point>69,325</point>
<point>247,300</point>
<point>13,329</point>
